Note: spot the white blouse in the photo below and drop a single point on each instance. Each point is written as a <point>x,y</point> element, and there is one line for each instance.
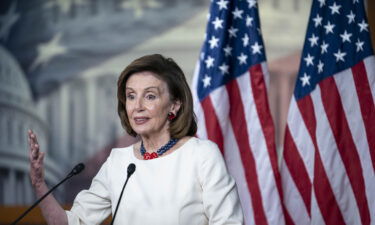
<point>190,186</point>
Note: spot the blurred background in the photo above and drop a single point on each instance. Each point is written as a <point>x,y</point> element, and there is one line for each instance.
<point>59,64</point>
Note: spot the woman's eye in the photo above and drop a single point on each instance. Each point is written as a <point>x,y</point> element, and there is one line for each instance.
<point>130,97</point>
<point>150,97</point>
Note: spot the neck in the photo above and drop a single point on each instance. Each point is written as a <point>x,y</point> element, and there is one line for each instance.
<point>152,144</point>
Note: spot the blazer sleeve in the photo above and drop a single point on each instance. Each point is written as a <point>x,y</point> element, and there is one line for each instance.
<point>92,206</point>
<point>220,198</point>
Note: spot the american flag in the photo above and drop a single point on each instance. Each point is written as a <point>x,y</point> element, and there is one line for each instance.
<point>329,150</point>
<point>230,92</point>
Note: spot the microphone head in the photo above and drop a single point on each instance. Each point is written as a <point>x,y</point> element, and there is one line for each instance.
<point>131,169</point>
<point>77,169</point>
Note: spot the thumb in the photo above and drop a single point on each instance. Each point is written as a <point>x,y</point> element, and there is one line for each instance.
<point>41,157</point>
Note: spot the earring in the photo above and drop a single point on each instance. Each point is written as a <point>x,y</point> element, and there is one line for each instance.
<point>171,116</point>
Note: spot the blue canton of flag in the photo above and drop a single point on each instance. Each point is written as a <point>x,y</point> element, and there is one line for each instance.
<point>232,44</point>
<point>332,45</point>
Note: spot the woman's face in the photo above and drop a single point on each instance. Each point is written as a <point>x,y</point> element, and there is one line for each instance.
<point>148,103</point>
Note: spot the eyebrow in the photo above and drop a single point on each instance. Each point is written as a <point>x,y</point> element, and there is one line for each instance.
<point>148,88</point>
<point>153,87</point>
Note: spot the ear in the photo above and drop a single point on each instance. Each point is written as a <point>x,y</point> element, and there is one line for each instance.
<point>175,107</point>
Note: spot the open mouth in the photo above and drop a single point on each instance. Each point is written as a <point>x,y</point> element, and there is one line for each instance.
<point>140,120</point>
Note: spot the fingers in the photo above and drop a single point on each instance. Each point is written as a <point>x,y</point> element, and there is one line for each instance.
<point>36,170</point>
<point>34,153</point>
<point>32,137</point>
<point>36,159</point>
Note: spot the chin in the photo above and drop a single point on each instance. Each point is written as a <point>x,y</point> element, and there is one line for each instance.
<point>141,131</point>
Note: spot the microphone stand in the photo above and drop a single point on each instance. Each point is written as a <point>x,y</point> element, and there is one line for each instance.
<point>77,169</point>
<point>131,169</point>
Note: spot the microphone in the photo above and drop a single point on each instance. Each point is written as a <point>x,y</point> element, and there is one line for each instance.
<point>131,169</point>
<point>76,170</point>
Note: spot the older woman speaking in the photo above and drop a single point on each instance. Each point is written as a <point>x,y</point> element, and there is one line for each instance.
<point>179,179</point>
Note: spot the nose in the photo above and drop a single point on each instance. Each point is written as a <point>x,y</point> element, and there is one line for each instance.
<point>139,104</point>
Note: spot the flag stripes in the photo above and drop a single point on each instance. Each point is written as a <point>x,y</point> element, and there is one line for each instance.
<point>366,103</point>
<point>237,116</point>
<point>356,127</point>
<point>297,170</point>
<point>345,143</point>
<point>321,186</point>
<point>329,152</point>
<point>234,162</point>
<point>343,158</point>
<point>214,132</point>
<point>296,203</point>
<point>262,143</point>
<point>233,158</point>
<point>369,63</point>
<point>333,168</point>
<point>230,94</point>
<point>259,91</point>
<point>226,102</point>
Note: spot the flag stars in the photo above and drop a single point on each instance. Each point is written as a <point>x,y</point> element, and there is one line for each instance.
<point>213,42</point>
<point>222,4</point>
<point>329,27</point>
<point>313,40</point>
<point>224,68</point>
<point>322,3</point>
<point>232,32</point>
<point>237,14</point>
<point>206,81</point>
<point>305,79</point>
<point>318,20</point>
<point>351,17</point>
<point>249,21</point>
<point>320,66</point>
<point>363,26</point>
<point>252,3</point>
<point>209,62</point>
<point>345,36</point>
<point>309,60</point>
<point>324,47</point>
<point>242,58</point>
<point>359,45</point>
<point>256,48</point>
<point>218,23</point>
<point>339,56</point>
<point>228,50</point>
<point>335,8</point>
<point>245,40</point>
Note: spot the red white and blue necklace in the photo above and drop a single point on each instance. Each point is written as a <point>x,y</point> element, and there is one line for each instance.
<point>159,152</point>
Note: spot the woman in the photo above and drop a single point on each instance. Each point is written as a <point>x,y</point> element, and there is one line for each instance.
<point>179,179</point>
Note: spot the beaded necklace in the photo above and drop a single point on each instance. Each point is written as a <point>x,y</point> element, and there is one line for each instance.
<point>159,152</point>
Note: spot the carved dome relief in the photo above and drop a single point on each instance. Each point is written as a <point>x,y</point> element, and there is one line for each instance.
<point>12,78</point>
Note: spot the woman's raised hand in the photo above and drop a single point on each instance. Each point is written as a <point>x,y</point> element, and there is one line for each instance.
<point>36,160</point>
<point>51,210</point>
